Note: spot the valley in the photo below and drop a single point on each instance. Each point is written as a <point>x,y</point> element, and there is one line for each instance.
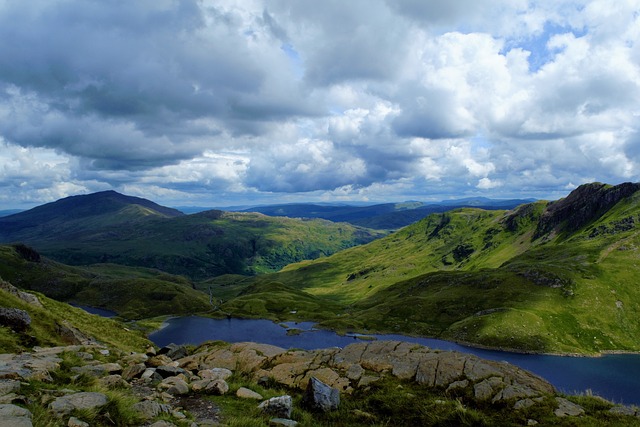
<point>547,277</point>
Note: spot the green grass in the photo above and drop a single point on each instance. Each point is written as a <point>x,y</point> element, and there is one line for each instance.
<point>481,277</point>
<point>44,329</point>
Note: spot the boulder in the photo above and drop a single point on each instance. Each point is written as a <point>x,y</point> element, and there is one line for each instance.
<point>15,319</point>
<point>245,393</point>
<point>75,422</point>
<point>169,371</point>
<point>173,351</point>
<point>567,409</point>
<point>174,386</point>
<point>320,397</point>
<point>218,386</point>
<point>282,422</point>
<point>215,374</point>
<point>84,400</point>
<point>14,416</point>
<point>149,409</point>
<point>113,382</point>
<point>133,371</point>
<point>280,406</point>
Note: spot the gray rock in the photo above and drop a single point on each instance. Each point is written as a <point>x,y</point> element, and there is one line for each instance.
<point>280,406</point>
<point>84,400</point>
<point>215,374</point>
<point>523,404</point>
<point>162,423</point>
<point>15,319</point>
<point>150,375</point>
<point>74,422</point>
<point>14,416</point>
<point>462,384</point>
<point>567,409</point>
<point>149,409</point>
<point>9,386</point>
<point>174,351</point>
<point>245,393</point>
<point>113,382</point>
<point>320,397</point>
<point>174,386</point>
<point>133,371</point>
<point>282,422</point>
<point>624,410</point>
<point>169,371</point>
<point>218,387</point>
<point>485,389</point>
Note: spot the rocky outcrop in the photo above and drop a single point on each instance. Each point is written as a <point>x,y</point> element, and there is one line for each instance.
<point>320,397</point>
<point>15,319</point>
<point>24,296</point>
<point>583,205</point>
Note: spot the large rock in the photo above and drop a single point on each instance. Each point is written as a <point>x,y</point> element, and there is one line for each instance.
<point>15,319</point>
<point>321,397</point>
<point>174,351</point>
<point>14,416</point>
<point>567,409</point>
<point>84,400</point>
<point>149,409</point>
<point>279,407</point>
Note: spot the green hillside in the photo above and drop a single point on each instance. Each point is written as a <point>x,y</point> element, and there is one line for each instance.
<point>133,293</point>
<point>125,231</point>
<point>549,276</point>
<point>49,321</point>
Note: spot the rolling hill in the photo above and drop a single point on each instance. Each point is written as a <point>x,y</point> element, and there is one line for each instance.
<point>109,227</point>
<point>133,293</point>
<point>547,277</point>
<point>386,216</point>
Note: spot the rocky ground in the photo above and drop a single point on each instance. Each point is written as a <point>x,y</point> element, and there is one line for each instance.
<point>74,385</point>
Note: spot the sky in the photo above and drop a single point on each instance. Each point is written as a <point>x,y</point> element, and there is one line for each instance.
<point>235,102</point>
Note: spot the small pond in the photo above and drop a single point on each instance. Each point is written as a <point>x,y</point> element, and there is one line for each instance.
<point>614,377</point>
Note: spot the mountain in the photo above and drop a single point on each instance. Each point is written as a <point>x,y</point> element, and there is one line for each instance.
<point>133,293</point>
<point>108,227</point>
<point>547,277</point>
<point>8,212</point>
<point>386,216</point>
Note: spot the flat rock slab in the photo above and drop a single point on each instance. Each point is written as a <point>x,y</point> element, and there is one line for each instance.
<point>84,400</point>
<point>14,416</point>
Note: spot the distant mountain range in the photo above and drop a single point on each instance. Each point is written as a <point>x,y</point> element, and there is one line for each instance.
<point>386,216</point>
<point>108,227</point>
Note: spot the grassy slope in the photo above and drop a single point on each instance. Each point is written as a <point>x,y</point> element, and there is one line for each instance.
<point>478,276</point>
<point>131,292</point>
<point>198,246</point>
<point>43,330</point>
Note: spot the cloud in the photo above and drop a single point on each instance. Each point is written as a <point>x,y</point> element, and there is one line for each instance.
<point>247,100</point>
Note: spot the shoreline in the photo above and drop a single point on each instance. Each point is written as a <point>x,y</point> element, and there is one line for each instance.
<point>372,336</point>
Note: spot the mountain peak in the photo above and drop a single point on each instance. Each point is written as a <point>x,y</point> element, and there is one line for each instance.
<point>583,205</point>
<point>78,207</point>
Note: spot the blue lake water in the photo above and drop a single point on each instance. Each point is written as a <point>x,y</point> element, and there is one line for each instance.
<point>614,377</point>
<point>95,310</point>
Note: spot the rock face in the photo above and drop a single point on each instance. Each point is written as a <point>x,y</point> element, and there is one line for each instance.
<point>279,407</point>
<point>84,400</point>
<point>320,397</point>
<point>14,318</point>
<point>14,416</point>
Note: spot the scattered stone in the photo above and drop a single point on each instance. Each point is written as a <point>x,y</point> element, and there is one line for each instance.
<point>458,385</point>
<point>173,351</point>
<point>75,422</point>
<point>567,408</point>
<point>84,400</point>
<point>215,374</point>
<point>282,422</point>
<point>14,416</point>
<point>523,404</point>
<point>245,393</point>
<point>150,375</point>
<point>149,409</point>
<point>15,319</point>
<point>174,386</point>
<point>133,371</point>
<point>113,382</point>
<point>167,371</point>
<point>151,351</point>
<point>280,406</point>
<point>624,410</point>
<point>531,422</point>
<point>162,423</point>
<point>9,386</point>
<point>321,397</point>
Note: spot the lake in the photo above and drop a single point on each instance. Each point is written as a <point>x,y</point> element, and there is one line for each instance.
<point>614,377</point>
